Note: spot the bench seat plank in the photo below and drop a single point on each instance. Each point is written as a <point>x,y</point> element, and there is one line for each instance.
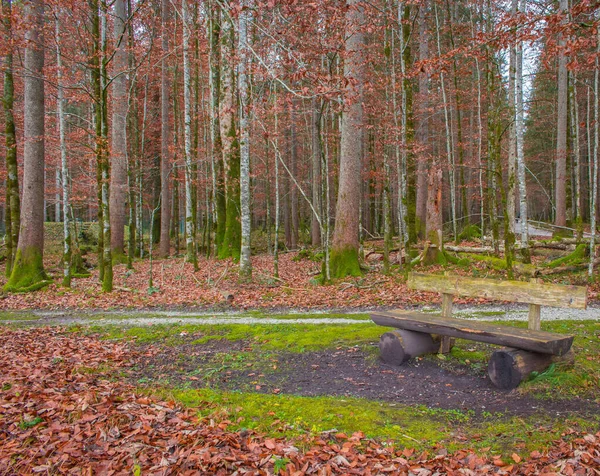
<point>554,295</point>
<point>526,339</point>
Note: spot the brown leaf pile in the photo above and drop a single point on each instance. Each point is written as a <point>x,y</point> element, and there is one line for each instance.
<point>57,416</point>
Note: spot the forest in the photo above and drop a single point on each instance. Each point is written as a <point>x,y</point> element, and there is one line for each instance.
<point>282,237</point>
<point>232,129</point>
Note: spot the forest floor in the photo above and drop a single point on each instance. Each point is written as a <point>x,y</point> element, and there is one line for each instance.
<point>202,373</point>
<point>216,287</point>
<point>287,398</point>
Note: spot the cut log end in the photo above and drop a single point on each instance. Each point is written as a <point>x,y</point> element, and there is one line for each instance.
<point>507,368</point>
<point>398,346</point>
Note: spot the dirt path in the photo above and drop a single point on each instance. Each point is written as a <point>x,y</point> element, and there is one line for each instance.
<point>508,312</point>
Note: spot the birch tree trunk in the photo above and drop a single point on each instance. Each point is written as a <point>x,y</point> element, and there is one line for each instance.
<point>118,175</point>
<point>64,171</point>
<point>521,176</point>
<point>245,18</point>
<point>512,127</point>
<point>13,199</point>
<point>28,270</point>
<point>561,129</point>
<point>187,133</point>
<point>344,252</point>
<point>165,136</point>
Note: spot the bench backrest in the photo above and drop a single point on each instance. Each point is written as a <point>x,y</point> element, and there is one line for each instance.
<point>554,295</point>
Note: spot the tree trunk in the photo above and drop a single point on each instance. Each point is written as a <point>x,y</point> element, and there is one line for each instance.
<point>118,175</point>
<point>64,172</point>
<point>422,128</point>
<point>13,200</point>
<point>521,176</point>
<point>344,253</point>
<point>107,279</point>
<point>165,136</point>
<point>594,197</point>
<point>187,133</point>
<point>317,154</point>
<point>561,129</point>
<point>28,270</point>
<point>217,169</point>
<point>293,168</point>
<point>245,18</point>
<point>512,131</point>
<point>231,147</point>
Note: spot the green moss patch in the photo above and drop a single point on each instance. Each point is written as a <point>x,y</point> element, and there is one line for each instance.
<point>344,263</point>
<point>416,427</point>
<point>576,257</point>
<point>28,272</point>
<point>289,337</point>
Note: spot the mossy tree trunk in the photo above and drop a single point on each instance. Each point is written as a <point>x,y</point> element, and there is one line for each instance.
<point>232,230</point>
<point>344,252</point>
<point>218,192</point>
<point>28,269</point>
<point>13,200</point>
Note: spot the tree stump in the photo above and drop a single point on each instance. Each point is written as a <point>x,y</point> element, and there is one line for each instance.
<point>398,346</point>
<point>509,367</point>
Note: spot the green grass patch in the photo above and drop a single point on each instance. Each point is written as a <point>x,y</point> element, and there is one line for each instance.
<point>416,427</point>
<point>288,337</point>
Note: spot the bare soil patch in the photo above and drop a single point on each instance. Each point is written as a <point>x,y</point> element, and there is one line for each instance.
<point>344,372</point>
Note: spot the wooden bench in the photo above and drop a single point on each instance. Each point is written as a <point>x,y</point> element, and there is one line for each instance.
<point>527,350</point>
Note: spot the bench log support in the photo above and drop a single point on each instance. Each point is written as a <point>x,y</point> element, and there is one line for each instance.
<point>398,346</point>
<point>508,367</point>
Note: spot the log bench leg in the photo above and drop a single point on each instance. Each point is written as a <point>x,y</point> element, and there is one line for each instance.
<point>509,367</point>
<point>398,346</point>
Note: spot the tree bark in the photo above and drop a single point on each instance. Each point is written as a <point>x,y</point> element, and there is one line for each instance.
<point>187,134</point>
<point>317,154</point>
<point>231,148</point>
<point>521,168</point>
<point>245,18</point>
<point>561,128</point>
<point>28,271</point>
<point>13,199</point>
<point>422,128</point>
<point>118,170</point>
<point>165,136</point>
<point>217,169</point>
<point>64,171</point>
<point>344,253</point>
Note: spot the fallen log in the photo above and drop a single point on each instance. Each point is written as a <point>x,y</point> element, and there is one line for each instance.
<point>509,367</point>
<point>460,249</point>
<point>566,269</point>
<point>398,346</point>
